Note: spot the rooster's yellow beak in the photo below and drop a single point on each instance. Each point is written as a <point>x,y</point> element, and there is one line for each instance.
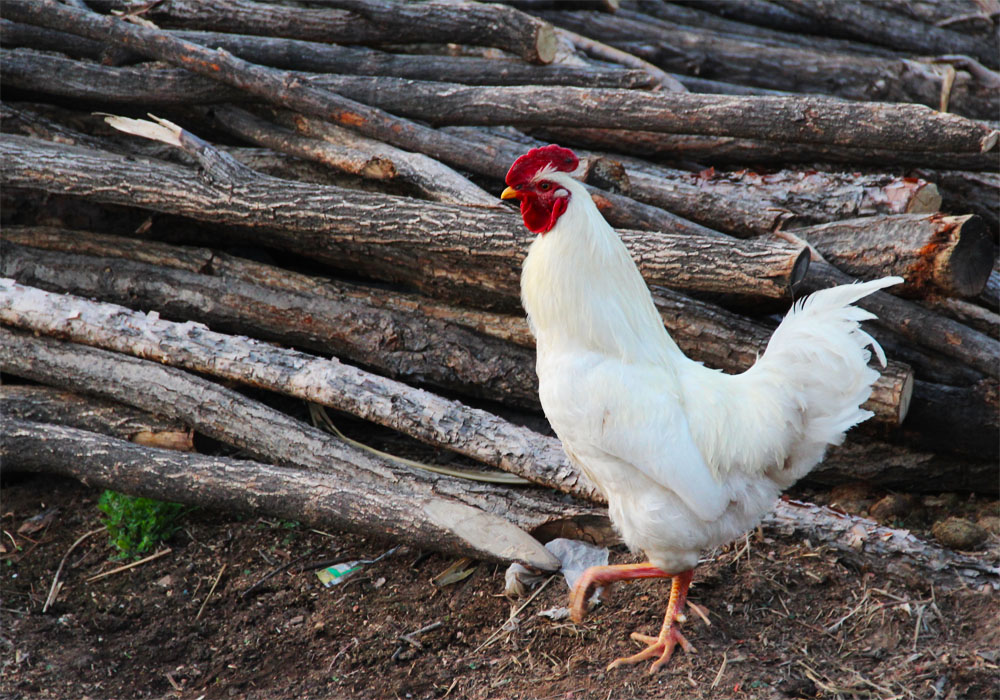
<point>509,193</point>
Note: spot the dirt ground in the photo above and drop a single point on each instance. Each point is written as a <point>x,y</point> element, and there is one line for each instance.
<point>787,620</point>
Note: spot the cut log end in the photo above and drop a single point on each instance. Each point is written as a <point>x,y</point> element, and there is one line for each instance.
<point>546,44</point>
<point>925,200</point>
<point>966,268</point>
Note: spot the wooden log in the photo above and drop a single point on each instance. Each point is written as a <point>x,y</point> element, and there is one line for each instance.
<point>965,312</point>
<point>365,22</point>
<point>360,156</point>
<point>949,255</point>
<point>899,464</point>
<point>472,252</point>
<point>96,82</point>
<point>621,211</point>
<point>878,26</point>
<point>318,499</point>
<point>432,419</point>
<point>763,13</point>
<point>965,192</point>
<point>807,119</point>
<point>820,196</point>
<point>267,434</point>
<point>692,14</point>
<point>511,328</point>
<point>959,15</point>
<point>315,57</point>
<point>964,420</point>
<point>43,404</point>
<point>916,324</point>
<point>742,217</point>
<point>417,349</point>
<point>765,64</point>
<point>853,536</point>
<point>603,52</point>
<point>707,333</point>
<point>738,152</point>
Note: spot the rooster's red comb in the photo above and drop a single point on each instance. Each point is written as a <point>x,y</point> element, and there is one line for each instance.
<point>537,158</point>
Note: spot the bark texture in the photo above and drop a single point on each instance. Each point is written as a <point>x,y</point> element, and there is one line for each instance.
<point>319,499</point>
<point>462,252</point>
<point>949,255</point>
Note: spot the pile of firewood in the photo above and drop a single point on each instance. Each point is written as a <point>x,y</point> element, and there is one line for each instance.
<point>321,180</point>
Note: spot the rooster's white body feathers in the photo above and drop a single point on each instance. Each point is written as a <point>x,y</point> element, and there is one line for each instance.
<point>688,457</point>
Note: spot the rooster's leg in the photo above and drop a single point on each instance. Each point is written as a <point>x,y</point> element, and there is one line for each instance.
<point>600,575</point>
<point>662,647</point>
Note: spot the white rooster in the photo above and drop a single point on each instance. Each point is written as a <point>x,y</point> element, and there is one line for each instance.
<point>688,457</point>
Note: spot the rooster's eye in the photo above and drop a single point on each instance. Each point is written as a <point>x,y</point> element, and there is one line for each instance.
<point>545,186</point>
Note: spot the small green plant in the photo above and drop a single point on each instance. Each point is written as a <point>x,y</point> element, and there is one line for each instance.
<point>136,525</point>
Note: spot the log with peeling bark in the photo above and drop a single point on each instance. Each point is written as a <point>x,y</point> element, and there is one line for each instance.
<point>968,192</point>
<point>805,119</point>
<point>363,22</point>
<point>411,347</point>
<point>473,252</point>
<point>737,59</point>
<point>269,435</point>
<point>949,255</point>
<point>738,152</point>
<point>315,57</point>
<point>855,536</point>
<point>319,499</point>
<point>361,156</point>
<point>43,404</point>
<point>432,419</point>
<point>821,196</point>
<point>966,312</point>
<point>705,332</point>
<point>313,498</point>
<point>878,26</point>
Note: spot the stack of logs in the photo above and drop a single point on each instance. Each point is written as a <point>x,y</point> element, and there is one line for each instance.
<point>323,225</point>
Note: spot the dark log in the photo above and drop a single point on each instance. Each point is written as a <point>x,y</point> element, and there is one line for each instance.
<point>740,152</point>
<point>736,59</point>
<point>364,22</point>
<point>806,119</point>
<point>318,499</point>
<point>603,52</point>
<point>763,13</point>
<point>437,421</point>
<point>959,15</point>
<point>819,196</point>
<point>43,404</point>
<point>965,192</point>
<point>472,252</point>
<point>990,296</point>
<point>965,420</point>
<point>878,26</point>
<point>416,349</point>
<point>965,312</point>
<point>690,15</point>
<point>740,217</point>
<point>315,57</point>
<point>705,332</point>
<point>891,465</point>
<point>949,255</point>
<point>916,324</point>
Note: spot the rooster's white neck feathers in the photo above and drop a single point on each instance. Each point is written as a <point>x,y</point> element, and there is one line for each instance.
<point>582,290</point>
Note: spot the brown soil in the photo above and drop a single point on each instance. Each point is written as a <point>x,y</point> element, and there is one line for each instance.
<point>788,621</point>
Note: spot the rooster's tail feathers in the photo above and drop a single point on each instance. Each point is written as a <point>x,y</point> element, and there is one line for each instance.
<point>821,354</point>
